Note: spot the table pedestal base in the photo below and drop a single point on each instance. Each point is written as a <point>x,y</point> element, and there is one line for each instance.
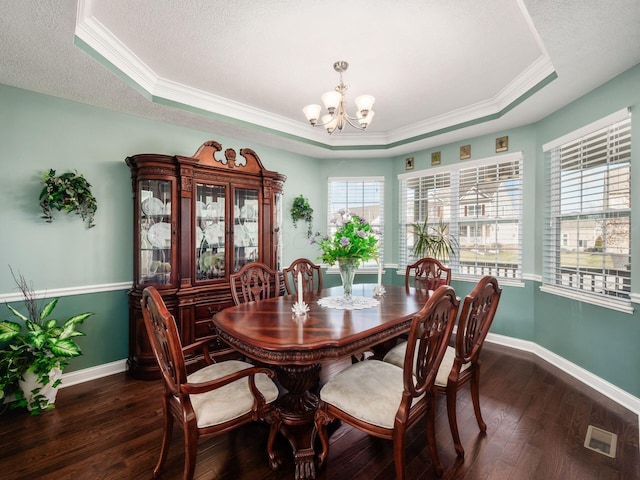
<point>296,411</point>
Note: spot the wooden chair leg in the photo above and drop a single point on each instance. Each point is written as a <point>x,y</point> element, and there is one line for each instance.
<point>431,437</point>
<point>398,452</point>
<point>452,392</point>
<point>190,451</point>
<point>475,398</point>
<point>167,432</point>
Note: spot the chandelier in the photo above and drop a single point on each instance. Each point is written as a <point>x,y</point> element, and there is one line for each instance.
<point>334,101</point>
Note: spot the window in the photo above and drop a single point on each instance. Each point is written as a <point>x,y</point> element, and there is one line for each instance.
<point>360,196</point>
<point>588,210</point>
<point>480,202</point>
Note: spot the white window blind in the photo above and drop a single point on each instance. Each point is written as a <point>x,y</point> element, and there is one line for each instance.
<point>588,212</point>
<point>363,197</point>
<point>490,220</point>
<point>481,204</point>
<point>426,196</point>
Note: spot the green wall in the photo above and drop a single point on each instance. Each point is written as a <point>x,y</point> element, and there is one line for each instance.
<point>603,341</point>
<point>38,132</point>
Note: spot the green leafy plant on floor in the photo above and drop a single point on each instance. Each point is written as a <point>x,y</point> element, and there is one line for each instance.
<point>38,344</point>
<point>70,192</point>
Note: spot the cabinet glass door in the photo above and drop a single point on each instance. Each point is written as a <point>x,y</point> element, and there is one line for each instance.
<point>155,232</point>
<point>245,227</point>
<point>210,228</point>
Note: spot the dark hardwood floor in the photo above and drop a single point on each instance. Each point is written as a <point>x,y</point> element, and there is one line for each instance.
<point>536,416</point>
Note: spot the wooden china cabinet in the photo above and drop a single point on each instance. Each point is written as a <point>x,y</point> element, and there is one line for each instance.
<point>196,221</point>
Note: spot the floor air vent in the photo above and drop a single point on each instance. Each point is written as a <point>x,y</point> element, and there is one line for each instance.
<point>601,441</point>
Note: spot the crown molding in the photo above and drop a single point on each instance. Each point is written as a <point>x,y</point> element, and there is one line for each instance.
<point>99,42</point>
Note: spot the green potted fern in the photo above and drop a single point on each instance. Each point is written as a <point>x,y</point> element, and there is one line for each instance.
<point>34,352</point>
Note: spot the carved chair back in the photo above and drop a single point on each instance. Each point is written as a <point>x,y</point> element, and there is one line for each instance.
<point>478,311</point>
<point>311,276</point>
<point>255,281</point>
<point>428,274</point>
<point>165,340</point>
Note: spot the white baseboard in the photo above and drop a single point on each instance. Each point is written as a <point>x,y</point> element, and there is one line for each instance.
<point>609,390</point>
<point>93,373</point>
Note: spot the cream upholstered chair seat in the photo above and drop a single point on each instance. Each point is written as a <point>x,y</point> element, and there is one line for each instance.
<point>395,356</point>
<point>214,407</point>
<point>380,383</point>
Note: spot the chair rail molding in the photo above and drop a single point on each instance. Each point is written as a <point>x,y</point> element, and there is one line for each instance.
<point>68,291</point>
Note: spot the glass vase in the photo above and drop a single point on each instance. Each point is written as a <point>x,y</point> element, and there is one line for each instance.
<point>347,268</point>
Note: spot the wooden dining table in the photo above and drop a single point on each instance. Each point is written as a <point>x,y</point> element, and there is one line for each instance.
<point>297,346</point>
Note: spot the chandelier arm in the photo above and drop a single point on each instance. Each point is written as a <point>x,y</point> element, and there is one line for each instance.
<point>318,124</point>
<point>346,116</point>
<point>349,118</point>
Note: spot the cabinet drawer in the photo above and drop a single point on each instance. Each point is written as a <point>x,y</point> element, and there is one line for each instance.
<point>206,311</point>
<point>204,328</point>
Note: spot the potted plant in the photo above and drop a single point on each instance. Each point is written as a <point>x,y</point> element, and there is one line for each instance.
<point>433,241</point>
<point>69,192</point>
<point>35,352</point>
<point>301,210</point>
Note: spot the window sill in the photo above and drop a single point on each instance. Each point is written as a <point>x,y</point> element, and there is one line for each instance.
<point>334,270</point>
<point>623,306</point>
<point>502,281</point>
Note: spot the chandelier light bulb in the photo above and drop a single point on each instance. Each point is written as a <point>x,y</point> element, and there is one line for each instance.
<point>364,103</point>
<point>365,120</point>
<point>331,101</point>
<point>312,112</point>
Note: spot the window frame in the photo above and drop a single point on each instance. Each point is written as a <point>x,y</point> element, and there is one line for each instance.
<point>379,181</point>
<point>448,179</point>
<point>587,165</point>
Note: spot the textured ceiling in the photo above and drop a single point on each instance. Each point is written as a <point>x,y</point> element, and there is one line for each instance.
<point>440,71</point>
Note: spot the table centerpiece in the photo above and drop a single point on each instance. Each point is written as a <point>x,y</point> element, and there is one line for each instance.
<point>353,242</point>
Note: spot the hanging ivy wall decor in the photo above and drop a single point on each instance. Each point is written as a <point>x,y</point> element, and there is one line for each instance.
<point>301,210</point>
<point>69,192</point>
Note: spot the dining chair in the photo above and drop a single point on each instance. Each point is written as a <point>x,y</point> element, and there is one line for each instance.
<point>428,274</point>
<point>210,401</point>
<point>461,363</point>
<point>384,400</point>
<point>311,276</point>
<point>255,281</point>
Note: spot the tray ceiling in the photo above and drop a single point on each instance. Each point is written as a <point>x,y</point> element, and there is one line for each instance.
<point>440,71</point>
